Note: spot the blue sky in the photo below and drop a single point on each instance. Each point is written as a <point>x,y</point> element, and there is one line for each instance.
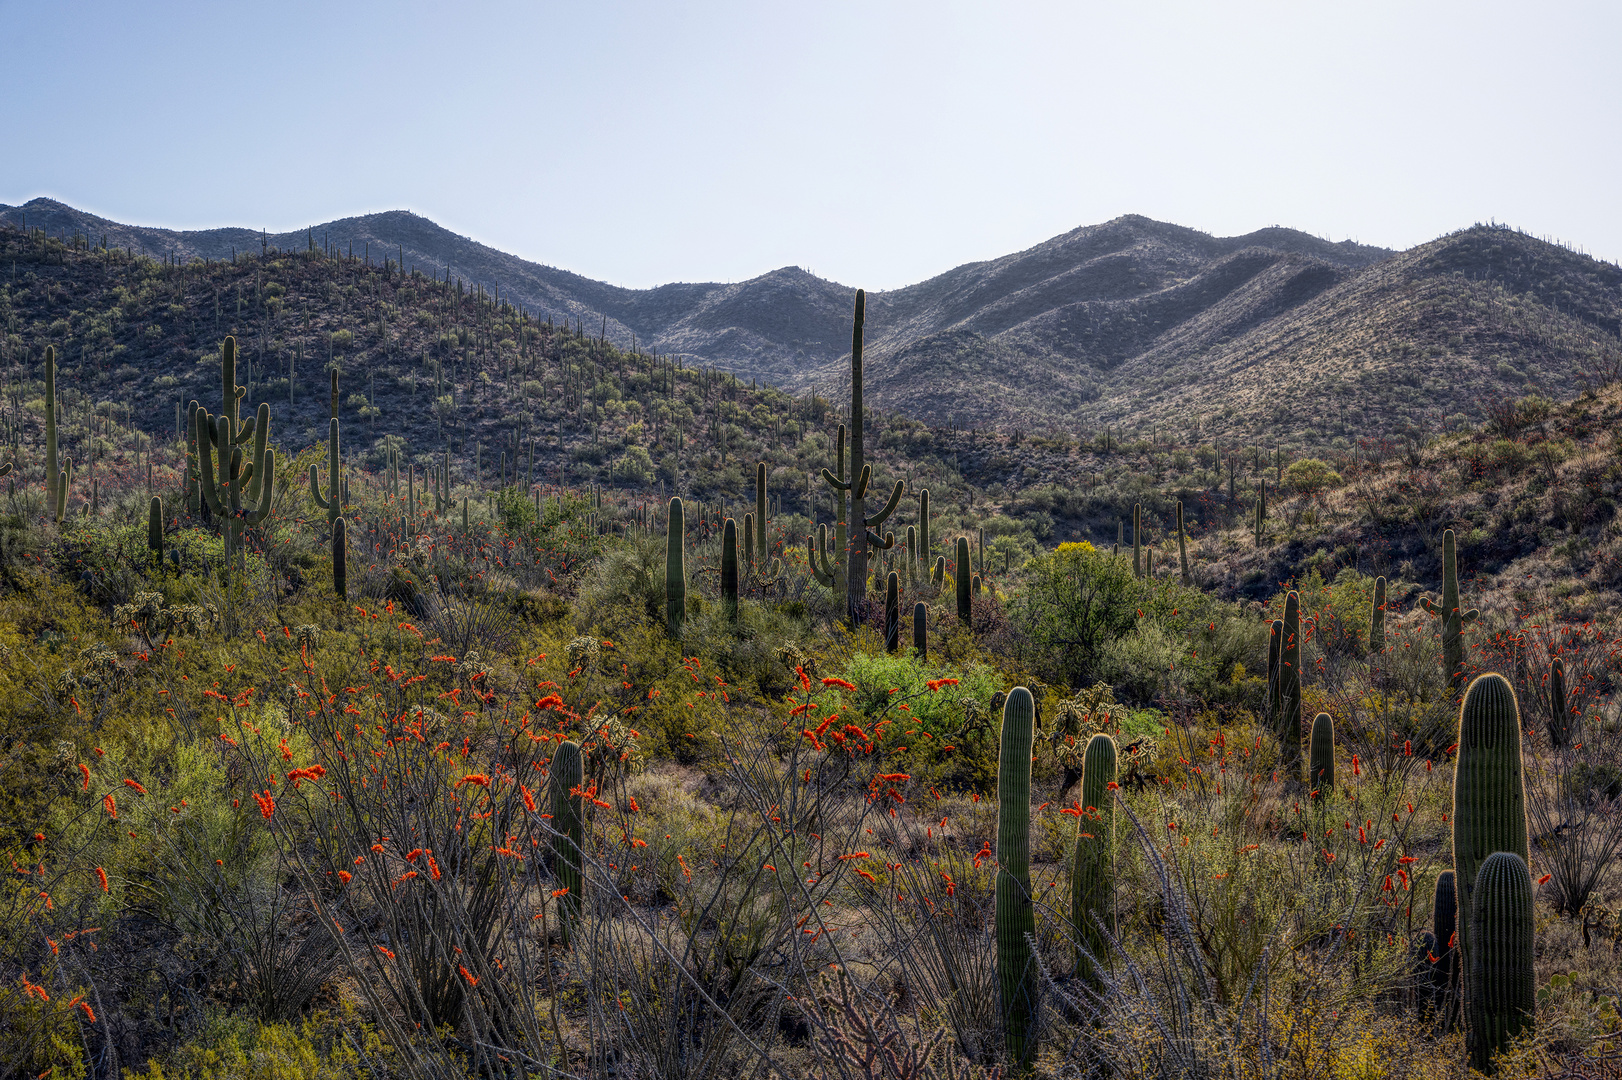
<point>872,143</point>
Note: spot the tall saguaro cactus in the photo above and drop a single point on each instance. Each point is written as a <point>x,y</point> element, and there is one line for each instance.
<point>239,492</point>
<point>52,466</point>
<point>675,569</point>
<point>1289,686</point>
<point>920,630</point>
<point>861,525</point>
<point>1502,987</point>
<point>729,569</point>
<point>1017,972</point>
<point>154,529</point>
<point>1137,539</point>
<point>568,827</point>
<point>1092,880</point>
<point>762,546</point>
<point>962,576</point>
<point>1448,614</point>
<point>1182,545</point>
<point>1489,792</point>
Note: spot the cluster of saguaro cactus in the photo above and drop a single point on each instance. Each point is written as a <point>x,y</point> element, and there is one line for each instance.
<point>1092,879</point>
<point>568,828</point>
<point>238,491</point>
<point>1447,612</point>
<point>1017,973</point>
<point>1490,862</point>
<point>675,569</point>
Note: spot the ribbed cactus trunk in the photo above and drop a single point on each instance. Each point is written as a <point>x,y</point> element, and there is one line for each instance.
<point>748,544</point>
<point>154,529</point>
<point>340,561</point>
<point>892,612</point>
<point>1289,685</point>
<point>920,631</point>
<point>568,840</point>
<point>1562,726</point>
<point>1017,972</point>
<point>1092,879</point>
<point>1275,639</point>
<point>729,569</point>
<point>1448,614</point>
<point>1502,985</point>
<point>962,576</point>
<point>1489,793</point>
<point>923,528</point>
<point>1182,546</point>
<point>856,571</point>
<point>675,569</point>
<point>332,502</point>
<point>1445,982</point>
<point>1377,619</point>
<point>1321,755</point>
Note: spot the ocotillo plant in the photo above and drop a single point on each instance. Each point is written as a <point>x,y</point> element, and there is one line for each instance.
<point>1092,880</point>
<point>1321,755</point>
<point>52,466</point>
<point>340,561</point>
<point>1377,619</point>
<point>332,503</point>
<point>1489,792</point>
<point>892,612</point>
<point>1289,687</point>
<point>568,828</point>
<point>154,529</point>
<point>1017,973</point>
<point>1561,725</point>
<point>1182,545</point>
<point>675,569</point>
<point>729,569</point>
<point>1502,987</point>
<point>860,474</point>
<point>920,630</point>
<point>1444,994</point>
<point>1448,614</point>
<point>962,576</point>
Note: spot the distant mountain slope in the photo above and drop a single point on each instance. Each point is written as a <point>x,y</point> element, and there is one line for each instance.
<point>1130,323</point>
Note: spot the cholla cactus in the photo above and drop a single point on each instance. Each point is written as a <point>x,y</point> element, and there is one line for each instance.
<point>306,636</point>
<point>98,671</point>
<point>584,651</point>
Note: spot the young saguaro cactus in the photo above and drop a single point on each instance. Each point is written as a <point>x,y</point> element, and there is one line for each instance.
<point>762,547</point>
<point>1092,880</point>
<point>568,828</point>
<point>1489,792</point>
<point>920,630</point>
<point>1562,725</point>
<point>729,569</point>
<point>1448,614</point>
<point>1377,619</point>
<point>1445,967</point>
<point>963,577</point>
<point>1502,987</point>
<point>1289,686</point>
<point>1321,755</point>
<point>1137,539</point>
<point>675,569</point>
<point>333,503</point>
<point>1017,973</point>
<point>1182,545</point>
<point>892,612</point>
<point>154,529</point>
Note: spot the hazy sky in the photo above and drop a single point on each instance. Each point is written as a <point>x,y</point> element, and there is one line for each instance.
<point>873,143</point>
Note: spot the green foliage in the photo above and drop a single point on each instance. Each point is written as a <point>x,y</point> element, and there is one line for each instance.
<point>1311,477</point>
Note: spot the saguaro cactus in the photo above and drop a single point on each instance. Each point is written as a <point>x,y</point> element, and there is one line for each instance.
<point>1448,614</point>
<point>920,630</point>
<point>861,525</point>
<point>1377,619</point>
<point>52,466</point>
<point>63,484</point>
<point>892,612</point>
<point>1562,726</point>
<point>154,529</point>
<point>1321,756</point>
<point>1137,539</point>
<point>749,544</point>
<point>1275,639</point>
<point>1502,988</point>
<point>761,544</point>
<point>569,828</point>
<point>1017,972</point>
<point>340,561</point>
<point>729,568</point>
<point>1289,685</point>
<point>1182,545</point>
<point>1092,880</point>
<point>1489,792</point>
<point>1445,968</point>
<point>923,527</point>
<point>675,569</point>
<point>240,492</point>
<point>333,502</point>
<point>962,576</point>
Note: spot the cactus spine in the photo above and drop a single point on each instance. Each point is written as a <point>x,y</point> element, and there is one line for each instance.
<point>1182,545</point>
<point>729,569</point>
<point>892,612</point>
<point>1503,989</point>
<point>675,569</point>
<point>332,503</point>
<point>154,529</point>
<point>1289,686</point>
<point>1092,882</point>
<point>961,574</point>
<point>1015,914</point>
<point>920,630</point>
<point>340,561</point>
<point>568,827</point>
<point>1448,614</point>
<point>1377,619</point>
<point>1321,754</point>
